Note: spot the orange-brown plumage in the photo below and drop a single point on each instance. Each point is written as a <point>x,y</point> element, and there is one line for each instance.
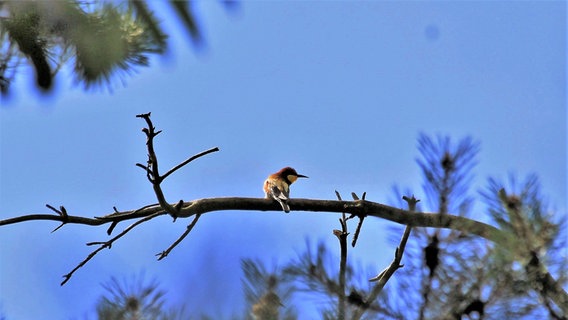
<point>277,186</point>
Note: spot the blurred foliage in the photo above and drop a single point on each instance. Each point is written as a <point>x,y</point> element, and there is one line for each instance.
<point>134,299</point>
<point>472,278</point>
<point>438,269</point>
<point>100,39</point>
<point>267,293</point>
<point>315,275</point>
<point>447,172</point>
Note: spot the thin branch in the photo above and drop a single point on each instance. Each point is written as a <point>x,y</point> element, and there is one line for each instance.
<point>387,273</point>
<point>361,219</point>
<point>107,244</point>
<point>201,154</point>
<point>165,253</point>
<point>62,212</point>
<point>116,215</point>
<point>153,175</point>
<point>52,217</point>
<point>342,237</point>
<point>152,171</point>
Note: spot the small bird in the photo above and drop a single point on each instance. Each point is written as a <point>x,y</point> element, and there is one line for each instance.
<point>277,186</point>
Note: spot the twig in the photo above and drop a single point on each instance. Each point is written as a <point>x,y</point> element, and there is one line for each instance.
<point>385,275</point>
<point>165,253</point>
<point>114,223</point>
<point>152,171</point>
<point>153,175</point>
<point>201,154</point>
<point>361,219</point>
<point>107,244</point>
<point>53,217</point>
<point>62,213</point>
<point>342,237</point>
<point>118,214</point>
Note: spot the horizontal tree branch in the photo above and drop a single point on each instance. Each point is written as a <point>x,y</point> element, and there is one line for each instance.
<point>359,207</point>
<point>53,217</point>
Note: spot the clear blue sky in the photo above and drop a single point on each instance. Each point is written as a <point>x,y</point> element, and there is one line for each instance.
<point>338,90</point>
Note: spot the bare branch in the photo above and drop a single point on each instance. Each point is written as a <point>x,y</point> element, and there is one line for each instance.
<point>201,154</point>
<point>62,212</point>
<point>165,253</point>
<point>152,171</point>
<point>342,237</point>
<point>361,219</point>
<point>387,273</point>
<point>52,217</point>
<point>368,208</point>
<point>107,244</point>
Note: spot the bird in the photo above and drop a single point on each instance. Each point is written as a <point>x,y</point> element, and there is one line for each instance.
<point>277,186</point>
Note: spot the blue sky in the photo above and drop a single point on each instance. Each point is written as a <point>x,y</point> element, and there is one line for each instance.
<point>338,90</point>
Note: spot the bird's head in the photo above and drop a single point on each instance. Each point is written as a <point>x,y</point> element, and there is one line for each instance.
<point>290,174</point>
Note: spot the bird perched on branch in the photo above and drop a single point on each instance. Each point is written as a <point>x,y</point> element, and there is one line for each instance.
<point>277,186</point>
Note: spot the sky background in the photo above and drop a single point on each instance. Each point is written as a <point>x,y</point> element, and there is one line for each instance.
<point>340,91</point>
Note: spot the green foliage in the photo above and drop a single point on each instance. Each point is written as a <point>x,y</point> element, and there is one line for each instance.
<point>538,244</point>
<point>267,293</point>
<point>134,300</point>
<point>474,277</point>
<point>447,171</point>
<point>108,41</point>
<point>441,267</point>
<point>315,274</point>
<point>523,212</point>
<point>25,28</point>
<point>101,39</point>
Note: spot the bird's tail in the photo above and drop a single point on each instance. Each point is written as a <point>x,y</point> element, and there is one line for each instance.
<point>284,205</point>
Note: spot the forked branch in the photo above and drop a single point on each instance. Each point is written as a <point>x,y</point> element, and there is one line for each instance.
<point>384,276</point>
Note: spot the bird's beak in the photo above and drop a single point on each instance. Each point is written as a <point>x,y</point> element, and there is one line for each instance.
<point>302,176</point>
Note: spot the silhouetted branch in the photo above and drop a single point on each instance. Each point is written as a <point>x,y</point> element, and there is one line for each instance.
<point>165,253</point>
<point>152,171</point>
<point>342,237</point>
<point>360,207</point>
<point>201,154</point>
<point>107,244</point>
<point>385,275</point>
<point>361,219</point>
<point>153,175</point>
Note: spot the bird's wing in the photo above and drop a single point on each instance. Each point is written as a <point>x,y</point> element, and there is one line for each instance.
<point>280,194</point>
